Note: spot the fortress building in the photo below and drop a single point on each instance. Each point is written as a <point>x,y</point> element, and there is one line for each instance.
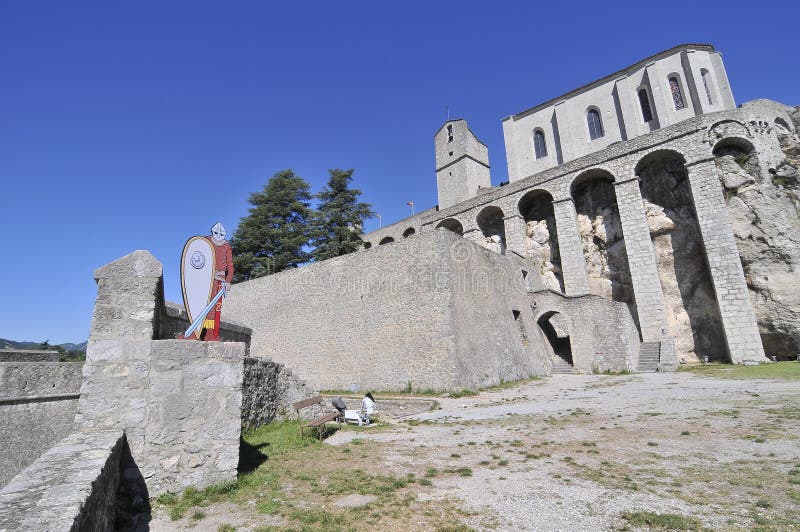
<point>650,190</point>
<point>647,222</point>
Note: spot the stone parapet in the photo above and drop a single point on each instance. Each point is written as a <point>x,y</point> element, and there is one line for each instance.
<point>268,391</point>
<point>28,355</point>
<point>73,486</point>
<point>29,379</point>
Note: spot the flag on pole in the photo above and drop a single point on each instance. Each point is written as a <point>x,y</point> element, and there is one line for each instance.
<point>411,204</point>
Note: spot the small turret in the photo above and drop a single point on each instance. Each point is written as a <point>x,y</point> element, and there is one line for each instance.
<point>462,163</point>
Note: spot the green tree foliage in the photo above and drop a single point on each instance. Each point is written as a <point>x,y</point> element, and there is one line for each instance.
<point>275,235</point>
<point>338,223</point>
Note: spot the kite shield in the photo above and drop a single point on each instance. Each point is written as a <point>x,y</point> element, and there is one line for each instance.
<point>197,277</point>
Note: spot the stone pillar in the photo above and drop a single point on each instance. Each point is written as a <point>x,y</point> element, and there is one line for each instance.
<point>515,234</point>
<point>733,298</point>
<point>573,265</point>
<point>641,260</point>
<point>129,298</point>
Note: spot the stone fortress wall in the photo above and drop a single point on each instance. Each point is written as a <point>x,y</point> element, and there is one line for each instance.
<point>669,224</point>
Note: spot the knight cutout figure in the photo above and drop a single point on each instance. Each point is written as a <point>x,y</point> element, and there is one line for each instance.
<point>206,273</point>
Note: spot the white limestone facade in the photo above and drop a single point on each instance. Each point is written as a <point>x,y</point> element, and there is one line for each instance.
<point>656,92</point>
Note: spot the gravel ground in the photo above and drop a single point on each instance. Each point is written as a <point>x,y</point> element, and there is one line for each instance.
<point>574,452</point>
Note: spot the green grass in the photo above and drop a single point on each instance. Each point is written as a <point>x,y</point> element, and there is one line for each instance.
<point>299,478</point>
<point>775,370</point>
<point>656,521</point>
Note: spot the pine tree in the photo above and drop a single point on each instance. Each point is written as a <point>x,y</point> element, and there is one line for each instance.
<point>275,235</point>
<point>339,220</point>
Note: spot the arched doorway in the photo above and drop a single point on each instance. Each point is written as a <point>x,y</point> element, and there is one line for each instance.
<point>557,336</point>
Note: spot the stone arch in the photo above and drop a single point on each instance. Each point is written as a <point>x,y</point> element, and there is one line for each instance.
<point>386,240</point>
<point>727,128</point>
<point>541,235</point>
<point>600,229</point>
<point>451,224</point>
<point>491,223</point>
<point>557,335</point>
<point>408,232</point>
<point>692,310</point>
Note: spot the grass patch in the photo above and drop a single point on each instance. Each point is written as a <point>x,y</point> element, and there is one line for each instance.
<point>298,479</point>
<point>656,521</point>
<point>775,370</point>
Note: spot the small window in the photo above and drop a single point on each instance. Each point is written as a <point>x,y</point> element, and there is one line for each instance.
<point>539,145</point>
<point>708,83</point>
<point>595,124</point>
<point>644,102</point>
<point>677,95</point>
<point>450,133</point>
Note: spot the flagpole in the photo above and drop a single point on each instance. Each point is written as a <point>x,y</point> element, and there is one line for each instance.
<point>380,220</point>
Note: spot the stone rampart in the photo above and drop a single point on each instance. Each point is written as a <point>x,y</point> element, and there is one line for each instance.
<point>433,312</point>
<point>26,379</point>
<point>28,355</point>
<point>71,487</point>
<point>38,401</point>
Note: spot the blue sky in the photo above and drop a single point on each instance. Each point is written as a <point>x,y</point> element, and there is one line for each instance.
<point>136,125</point>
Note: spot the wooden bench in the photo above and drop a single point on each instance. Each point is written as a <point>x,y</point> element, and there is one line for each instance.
<point>318,423</point>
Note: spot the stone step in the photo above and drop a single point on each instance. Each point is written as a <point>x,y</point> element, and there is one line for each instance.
<point>649,357</point>
<point>562,366</point>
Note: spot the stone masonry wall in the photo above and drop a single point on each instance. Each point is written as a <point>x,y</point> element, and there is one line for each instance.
<point>71,487</point>
<point>28,355</point>
<point>379,320</point>
<point>179,401</point>
<point>38,401</point>
<point>268,391</point>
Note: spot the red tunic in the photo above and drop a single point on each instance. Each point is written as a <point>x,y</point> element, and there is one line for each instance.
<point>223,256</point>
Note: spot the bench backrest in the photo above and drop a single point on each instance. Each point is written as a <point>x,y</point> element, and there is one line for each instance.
<point>299,405</point>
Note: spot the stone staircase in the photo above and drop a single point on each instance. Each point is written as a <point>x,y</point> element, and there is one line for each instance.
<point>562,366</point>
<point>649,355</point>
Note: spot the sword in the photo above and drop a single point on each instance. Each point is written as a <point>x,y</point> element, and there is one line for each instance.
<point>202,316</point>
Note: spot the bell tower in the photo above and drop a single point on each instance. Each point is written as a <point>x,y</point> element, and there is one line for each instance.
<point>462,163</point>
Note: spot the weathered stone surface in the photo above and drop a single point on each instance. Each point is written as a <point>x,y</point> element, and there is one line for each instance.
<point>73,486</point>
<point>268,391</point>
<point>28,355</point>
<point>179,402</point>
<point>435,311</point>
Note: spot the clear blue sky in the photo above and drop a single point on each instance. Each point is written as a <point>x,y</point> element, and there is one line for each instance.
<point>135,125</point>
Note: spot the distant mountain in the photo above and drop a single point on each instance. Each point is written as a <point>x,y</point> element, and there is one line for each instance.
<point>12,344</point>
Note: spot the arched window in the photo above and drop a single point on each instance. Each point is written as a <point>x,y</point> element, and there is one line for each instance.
<point>644,101</point>
<point>595,124</point>
<point>708,83</point>
<point>677,95</point>
<point>539,146</point>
